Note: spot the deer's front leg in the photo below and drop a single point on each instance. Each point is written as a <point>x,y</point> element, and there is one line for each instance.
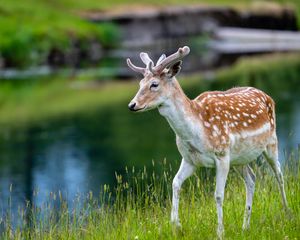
<point>186,170</point>
<point>222,169</point>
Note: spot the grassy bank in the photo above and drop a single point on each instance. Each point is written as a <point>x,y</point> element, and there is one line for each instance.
<point>31,30</point>
<point>139,208</point>
<point>32,102</point>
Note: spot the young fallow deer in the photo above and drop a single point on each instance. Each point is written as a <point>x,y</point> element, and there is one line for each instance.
<point>216,130</point>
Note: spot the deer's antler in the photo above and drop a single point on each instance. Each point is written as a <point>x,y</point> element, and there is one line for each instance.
<point>162,63</point>
<point>135,68</point>
<point>175,57</point>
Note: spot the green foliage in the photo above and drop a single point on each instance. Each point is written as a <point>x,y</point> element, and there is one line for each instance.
<point>31,28</point>
<point>28,31</point>
<point>109,35</point>
<point>138,207</point>
<point>272,73</point>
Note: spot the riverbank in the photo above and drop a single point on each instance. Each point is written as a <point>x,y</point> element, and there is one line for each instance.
<point>139,208</point>
<point>26,103</point>
<point>57,33</point>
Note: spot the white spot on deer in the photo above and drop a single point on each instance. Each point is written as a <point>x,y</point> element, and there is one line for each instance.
<point>207,124</point>
<point>269,105</point>
<point>215,127</point>
<point>218,117</point>
<point>238,115</point>
<point>226,128</point>
<point>234,117</point>
<point>253,115</point>
<point>237,109</point>
<point>245,124</point>
<point>249,121</point>
<point>246,114</point>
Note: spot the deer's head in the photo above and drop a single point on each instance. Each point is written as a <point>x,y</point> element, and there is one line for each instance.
<point>155,86</point>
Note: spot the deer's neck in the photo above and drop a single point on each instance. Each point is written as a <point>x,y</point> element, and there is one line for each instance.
<point>179,112</point>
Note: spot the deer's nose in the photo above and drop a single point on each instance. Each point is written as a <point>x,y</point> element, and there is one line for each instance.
<point>131,106</point>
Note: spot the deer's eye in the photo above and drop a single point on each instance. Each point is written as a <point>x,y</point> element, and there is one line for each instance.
<point>153,85</point>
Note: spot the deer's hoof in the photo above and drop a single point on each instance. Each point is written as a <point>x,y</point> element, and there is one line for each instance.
<point>177,228</point>
<point>220,232</point>
<point>246,227</point>
<point>176,223</point>
<point>289,213</point>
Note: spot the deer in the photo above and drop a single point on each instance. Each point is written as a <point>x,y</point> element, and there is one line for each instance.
<point>217,129</point>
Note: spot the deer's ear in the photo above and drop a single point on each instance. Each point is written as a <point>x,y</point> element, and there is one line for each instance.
<point>174,69</point>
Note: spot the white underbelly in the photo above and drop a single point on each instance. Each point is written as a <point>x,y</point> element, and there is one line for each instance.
<point>244,156</point>
<point>202,160</point>
<point>244,150</point>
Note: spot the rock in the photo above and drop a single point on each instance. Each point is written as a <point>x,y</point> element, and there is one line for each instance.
<point>146,25</point>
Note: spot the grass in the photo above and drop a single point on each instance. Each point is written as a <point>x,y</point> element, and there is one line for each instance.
<point>31,29</point>
<point>139,208</point>
<point>32,102</point>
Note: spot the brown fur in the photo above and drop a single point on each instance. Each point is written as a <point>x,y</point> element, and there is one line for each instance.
<point>235,110</point>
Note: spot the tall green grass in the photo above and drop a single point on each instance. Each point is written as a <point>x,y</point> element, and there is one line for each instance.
<point>138,207</point>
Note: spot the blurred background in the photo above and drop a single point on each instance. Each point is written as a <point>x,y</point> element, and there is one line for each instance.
<point>65,86</point>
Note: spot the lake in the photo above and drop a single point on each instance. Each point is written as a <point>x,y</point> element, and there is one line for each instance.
<point>81,153</point>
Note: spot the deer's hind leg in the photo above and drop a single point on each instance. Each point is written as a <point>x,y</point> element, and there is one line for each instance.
<point>248,176</point>
<point>271,155</point>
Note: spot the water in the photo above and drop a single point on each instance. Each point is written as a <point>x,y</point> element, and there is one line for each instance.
<point>79,154</point>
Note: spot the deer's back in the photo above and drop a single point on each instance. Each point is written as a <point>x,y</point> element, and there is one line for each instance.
<point>241,120</point>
